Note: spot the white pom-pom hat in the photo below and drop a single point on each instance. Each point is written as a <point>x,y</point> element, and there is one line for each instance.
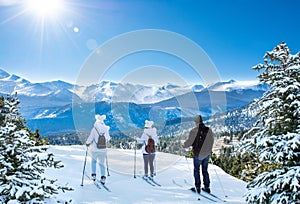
<point>100,118</point>
<point>148,124</point>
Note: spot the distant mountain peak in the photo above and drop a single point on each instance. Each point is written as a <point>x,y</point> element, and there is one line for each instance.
<point>14,77</point>
<point>197,88</point>
<point>3,74</point>
<point>234,85</point>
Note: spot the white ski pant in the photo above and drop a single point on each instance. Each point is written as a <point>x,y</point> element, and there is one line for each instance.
<point>98,157</point>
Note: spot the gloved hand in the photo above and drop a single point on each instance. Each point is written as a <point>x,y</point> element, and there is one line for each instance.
<point>87,144</point>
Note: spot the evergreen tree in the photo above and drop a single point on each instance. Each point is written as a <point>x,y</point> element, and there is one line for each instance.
<point>275,136</point>
<point>22,164</point>
<point>18,120</point>
<point>2,116</point>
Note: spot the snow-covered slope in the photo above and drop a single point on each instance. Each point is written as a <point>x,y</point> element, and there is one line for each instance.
<point>126,189</point>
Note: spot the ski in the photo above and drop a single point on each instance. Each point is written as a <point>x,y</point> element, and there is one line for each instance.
<point>200,194</point>
<point>103,185</point>
<point>177,184</point>
<point>185,181</point>
<point>153,181</point>
<point>97,184</point>
<point>213,195</point>
<point>94,182</point>
<point>149,182</point>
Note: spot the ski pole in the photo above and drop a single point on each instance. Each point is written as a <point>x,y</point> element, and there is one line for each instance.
<point>188,164</point>
<point>107,166</point>
<point>84,166</point>
<point>191,172</point>
<point>155,166</point>
<point>134,163</point>
<point>219,179</point>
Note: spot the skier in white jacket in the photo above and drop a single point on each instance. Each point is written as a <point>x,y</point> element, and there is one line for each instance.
<point>98,155</point>
<point>149,131</point>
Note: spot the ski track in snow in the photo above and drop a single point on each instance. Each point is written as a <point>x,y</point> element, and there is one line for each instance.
<point>127,189</point>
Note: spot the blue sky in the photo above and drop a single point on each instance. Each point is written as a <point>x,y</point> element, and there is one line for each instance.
<point>235,34</point>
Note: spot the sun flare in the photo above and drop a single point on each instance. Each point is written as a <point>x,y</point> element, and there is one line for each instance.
<point>44,8</point>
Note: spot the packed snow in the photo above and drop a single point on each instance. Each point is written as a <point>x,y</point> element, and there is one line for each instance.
<point>173,172</point>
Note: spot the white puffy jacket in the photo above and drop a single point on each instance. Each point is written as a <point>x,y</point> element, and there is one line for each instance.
<point>93,137</point>
<point>144,138</point>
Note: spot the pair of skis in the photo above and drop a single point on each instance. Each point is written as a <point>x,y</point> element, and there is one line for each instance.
<point>98,184</point>
<point>185,181</point>
<point>201,195</point>
<point>152,182</point>
<point>213,195</point>
<point>209,196</point>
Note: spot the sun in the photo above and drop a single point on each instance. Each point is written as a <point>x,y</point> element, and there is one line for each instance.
<point>45,8</point>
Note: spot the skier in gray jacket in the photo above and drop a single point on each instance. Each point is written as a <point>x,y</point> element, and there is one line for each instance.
<point>201,139</point>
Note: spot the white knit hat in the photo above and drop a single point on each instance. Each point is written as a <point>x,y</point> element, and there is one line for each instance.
<point>100,118</point>
<point>148,124</point>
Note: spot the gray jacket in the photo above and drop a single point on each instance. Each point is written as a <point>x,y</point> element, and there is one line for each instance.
<point>207,145</point>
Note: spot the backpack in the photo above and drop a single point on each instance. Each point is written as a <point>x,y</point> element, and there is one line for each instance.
<point>199,140</point>
<point>150,147</point>
<point>101,143</point>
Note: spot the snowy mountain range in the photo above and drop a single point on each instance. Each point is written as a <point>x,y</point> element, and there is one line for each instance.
<point>48,106</point>
<point>103,91</point>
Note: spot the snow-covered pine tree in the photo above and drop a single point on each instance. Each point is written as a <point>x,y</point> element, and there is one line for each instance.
<point>276,134</point>
<point>22,164</point>
<point>19,121</point>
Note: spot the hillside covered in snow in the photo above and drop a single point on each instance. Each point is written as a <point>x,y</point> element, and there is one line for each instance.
<point>174,174</point>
